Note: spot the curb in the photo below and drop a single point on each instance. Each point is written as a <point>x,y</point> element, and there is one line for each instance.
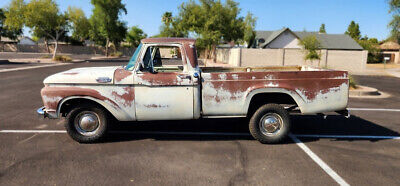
<point>367,92</point>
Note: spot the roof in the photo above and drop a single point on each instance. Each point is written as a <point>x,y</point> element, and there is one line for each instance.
<point>390,45</point>
<point>8,40</point>
<point>169,40</point>
<point>328,41</point>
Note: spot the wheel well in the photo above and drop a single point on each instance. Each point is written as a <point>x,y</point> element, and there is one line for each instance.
<point>68,105</point>
<point>264,98</point>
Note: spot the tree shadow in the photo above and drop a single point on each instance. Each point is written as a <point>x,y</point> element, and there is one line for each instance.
<point>237,129</point>
<point>7,62</point>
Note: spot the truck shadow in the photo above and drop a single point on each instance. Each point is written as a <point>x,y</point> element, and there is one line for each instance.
<point>237,129</point>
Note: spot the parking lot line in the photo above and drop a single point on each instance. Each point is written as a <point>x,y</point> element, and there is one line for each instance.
<point>346,136</point>
<point>318,160</point>
<point>33,67</point>
<point>375,109</point>
<point>33,131</point>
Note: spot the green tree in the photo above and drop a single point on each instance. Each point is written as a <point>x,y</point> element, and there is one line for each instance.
<point>79,23</point>
<point>167,18</point>
<point>134,35</point>
<point>394,24</point>
<point>15,17</point>
<point>353,30</point>
<point>4,30</point>
<point>42,16</point>
<point>249,27</point>
<point>322,28</point>
<point>171,27</point>
<point>105,24</point>
<point>212,22</point>
<point>311,45</point>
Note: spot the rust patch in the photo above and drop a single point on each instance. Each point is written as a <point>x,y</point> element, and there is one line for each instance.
<point>121,74</point>
<point>70,73</point>
<point>127,97</point>
<point>53,95</point>
<point>156,106</point>
<point>162,79</point>
<point>310,84</point>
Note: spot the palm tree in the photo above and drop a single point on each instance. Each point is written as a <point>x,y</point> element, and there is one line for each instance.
<point>167,18</point>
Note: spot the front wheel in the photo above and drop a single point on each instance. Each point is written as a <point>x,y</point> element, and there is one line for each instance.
<point>86,124</point>
<point>270,124</point>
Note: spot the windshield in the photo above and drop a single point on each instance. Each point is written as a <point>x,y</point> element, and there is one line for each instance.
<point>133,59</point>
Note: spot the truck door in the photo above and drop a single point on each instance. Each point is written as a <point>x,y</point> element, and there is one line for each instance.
<point>164,88</point>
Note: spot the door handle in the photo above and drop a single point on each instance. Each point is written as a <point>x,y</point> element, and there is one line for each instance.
<point>183,76</point>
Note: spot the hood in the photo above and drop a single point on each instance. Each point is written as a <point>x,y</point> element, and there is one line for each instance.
<point>83,76</point>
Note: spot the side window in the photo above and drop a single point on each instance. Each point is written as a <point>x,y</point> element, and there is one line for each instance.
<point>147,64</point>
<point>168,59</point>
<point>162,59</point>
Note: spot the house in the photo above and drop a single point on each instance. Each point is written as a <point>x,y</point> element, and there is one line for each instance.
<point>281,48</point>
<point>285,38</point>
<point>391,51</point>
<point>22,40</point>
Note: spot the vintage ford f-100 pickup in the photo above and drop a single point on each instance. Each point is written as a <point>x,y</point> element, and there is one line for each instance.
<point>163,81</point>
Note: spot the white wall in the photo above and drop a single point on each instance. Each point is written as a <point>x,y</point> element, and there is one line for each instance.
<point>350,60</point>
<point>285,40</point>
<point>25,41</point>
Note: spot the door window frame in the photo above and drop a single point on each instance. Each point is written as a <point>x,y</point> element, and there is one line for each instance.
<point>147,45</point>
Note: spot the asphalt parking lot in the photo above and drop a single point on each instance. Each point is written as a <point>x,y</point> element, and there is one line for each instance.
<point>361,150</point>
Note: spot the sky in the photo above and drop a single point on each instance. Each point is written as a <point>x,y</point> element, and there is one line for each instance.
<point>298,15</point>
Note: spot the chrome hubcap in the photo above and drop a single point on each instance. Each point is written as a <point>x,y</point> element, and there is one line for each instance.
<point>87,123</point>
<point>270,124</point>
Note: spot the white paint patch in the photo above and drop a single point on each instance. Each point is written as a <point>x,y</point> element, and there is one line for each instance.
<point>235,76</point>
<point>271,84</point>
<point>375,109</point>
<point>33,67</point>
<point>269,77</point>
<point>318,160</point>
<point>51,99</point>
<point>222,76</point>
<point>334,99</point>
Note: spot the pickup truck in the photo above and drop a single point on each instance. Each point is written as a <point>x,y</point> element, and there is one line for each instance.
<point>154,87</point>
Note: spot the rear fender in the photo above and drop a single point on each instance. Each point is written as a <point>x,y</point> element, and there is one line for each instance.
<point>299,101</point>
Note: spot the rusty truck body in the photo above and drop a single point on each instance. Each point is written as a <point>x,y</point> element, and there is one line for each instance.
<point>146,89</point>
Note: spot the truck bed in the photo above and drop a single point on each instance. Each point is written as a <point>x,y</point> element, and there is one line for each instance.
<point>229,91</point>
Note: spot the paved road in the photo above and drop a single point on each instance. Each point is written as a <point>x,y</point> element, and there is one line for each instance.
<point>175,156</point>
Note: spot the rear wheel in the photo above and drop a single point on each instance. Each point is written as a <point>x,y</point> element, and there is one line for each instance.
<point>87,124</point>
<point>270,124</point>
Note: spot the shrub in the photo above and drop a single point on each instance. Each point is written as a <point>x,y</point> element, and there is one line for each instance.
<point>62,58</point>
<point>352,82</point>
<point>116,54</point>
<point>46,57</point>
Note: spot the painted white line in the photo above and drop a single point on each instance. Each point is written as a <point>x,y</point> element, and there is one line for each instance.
<point>375,109</point>
<point>318,160</point>
<point>33,131</point>
<point>33,67</point>
<point>346,136</point>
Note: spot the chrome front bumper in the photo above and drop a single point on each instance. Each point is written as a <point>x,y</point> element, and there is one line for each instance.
<point>42,113</point>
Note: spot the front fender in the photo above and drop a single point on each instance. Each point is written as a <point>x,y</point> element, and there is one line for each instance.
<point>117,113</point>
